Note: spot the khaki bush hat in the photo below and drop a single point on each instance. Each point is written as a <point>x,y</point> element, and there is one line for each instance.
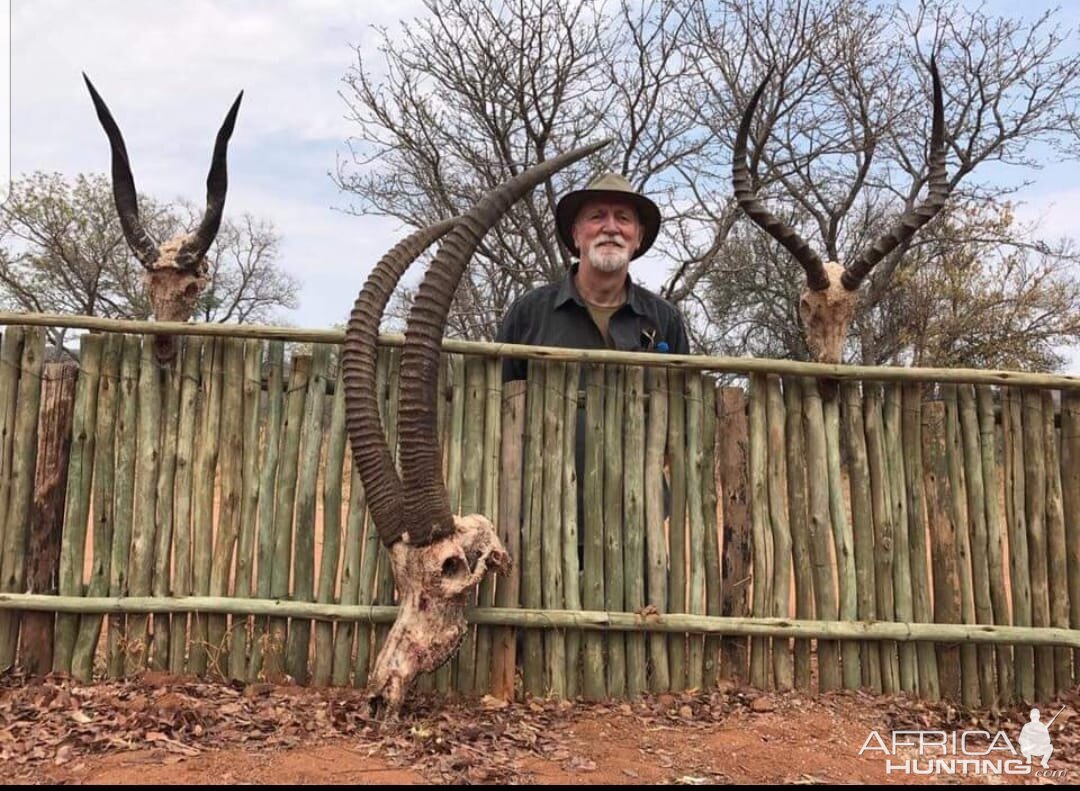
<point>608,185</point>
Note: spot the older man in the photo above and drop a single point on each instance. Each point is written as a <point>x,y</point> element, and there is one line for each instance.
<point>596,305</point>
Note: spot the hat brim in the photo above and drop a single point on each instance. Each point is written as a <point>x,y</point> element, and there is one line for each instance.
<point>566,211</point>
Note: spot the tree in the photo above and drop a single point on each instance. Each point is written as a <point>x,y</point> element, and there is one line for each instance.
<point>477,90</point>
<point>841,136</point>
<point>62,250</point>
<point>989,301</point>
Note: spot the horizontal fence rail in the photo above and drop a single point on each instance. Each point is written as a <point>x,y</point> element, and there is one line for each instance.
<point>689,362</point>
<point>557,619</point>
<point>821,527</point>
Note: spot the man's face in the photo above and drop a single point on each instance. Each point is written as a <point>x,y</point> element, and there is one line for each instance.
<point>607,232</point>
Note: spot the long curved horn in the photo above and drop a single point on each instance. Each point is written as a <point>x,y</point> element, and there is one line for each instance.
<point>917,217</point>
<point>742,180</point>
<point>374,463</point>
<point>217,181</point>
<point>123,184</point>
<point>428,506</point>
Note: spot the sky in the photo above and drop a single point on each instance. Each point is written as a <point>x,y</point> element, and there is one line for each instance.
<point>170,70</point>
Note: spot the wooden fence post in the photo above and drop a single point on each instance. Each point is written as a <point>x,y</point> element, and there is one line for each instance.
<point>47,514</point>
<point>735,560</point>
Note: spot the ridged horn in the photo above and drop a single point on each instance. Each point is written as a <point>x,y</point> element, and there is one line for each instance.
<point>373,460</point>
<point>123,184</point>
<point>917,217</point>
<point>428,504</point>
<point>742,180</point>
<point>217,182</point>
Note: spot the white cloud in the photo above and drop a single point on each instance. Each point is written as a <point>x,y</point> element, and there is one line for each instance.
<point>1054,213</point>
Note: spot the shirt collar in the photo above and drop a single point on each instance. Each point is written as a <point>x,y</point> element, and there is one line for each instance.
<point>568,291</point>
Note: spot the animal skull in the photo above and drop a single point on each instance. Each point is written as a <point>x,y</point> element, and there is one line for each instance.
<point>176,269</point>
<point>827,301</point>
<point>437,557</point>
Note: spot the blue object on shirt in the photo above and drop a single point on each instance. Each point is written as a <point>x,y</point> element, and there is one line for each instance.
<point>662,346</point>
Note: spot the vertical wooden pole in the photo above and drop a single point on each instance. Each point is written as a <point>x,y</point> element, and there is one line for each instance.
<point>124,498</point>
<point>268,470</point>
<point>203,495</point>
<point>942,542</point>
<point>143,538</point>
<point>551,531</point>
<point>761,527</point>
<point>1057,571</point>
<point>169,436</point>
<point>735,558</point>
<point>1070,489</point>
<point>1035,488</point>
<point>797,519</point>
<point>695,472</point>
<point>969,662</point>
<point>980,549</point>
<point>677,522</point>
<point>1016,513</point>
<point>594,686</point>
<point>656,548</point>
<point>303,588</point>
<point>489,506</point>
<point>776,417</point>
<point>862,517</point>
<point>47,515</point>
<point>884,532</point>
<point>21,501</point>
<point>820,533</point>
<point>929,686</point>
<point>333,481</point>
<point>843,539</point>
<point>995,538</point>
<point>573,422</point>
<point>193,350</point>
<point>507,592</point>
<point>472,471</point>
<point>249,504</point>
<point>77,500</point>
<point>531,540</point>
<point>902,592</point>
<point>613,525</point>
<point>284,504</point>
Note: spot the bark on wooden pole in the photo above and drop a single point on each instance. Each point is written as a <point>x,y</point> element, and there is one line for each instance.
<point>735,558</point>
<point>942,541</point>
<point>47,514</point>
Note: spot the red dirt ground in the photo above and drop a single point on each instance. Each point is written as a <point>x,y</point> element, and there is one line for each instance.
<point>162,729</point>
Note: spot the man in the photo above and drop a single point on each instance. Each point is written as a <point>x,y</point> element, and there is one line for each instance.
<point>597,305</point>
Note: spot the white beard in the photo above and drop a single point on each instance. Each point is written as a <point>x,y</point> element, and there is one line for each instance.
<point>608,259</point>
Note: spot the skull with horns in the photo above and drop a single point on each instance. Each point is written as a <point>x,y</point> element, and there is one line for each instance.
<point>176,270</point>
<point>827,302</point>
<point>436,556</point>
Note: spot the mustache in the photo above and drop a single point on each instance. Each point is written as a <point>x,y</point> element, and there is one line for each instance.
<point>610,240</point>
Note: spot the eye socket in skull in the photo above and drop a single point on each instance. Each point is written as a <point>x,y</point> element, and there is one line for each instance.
<point>454,566</point>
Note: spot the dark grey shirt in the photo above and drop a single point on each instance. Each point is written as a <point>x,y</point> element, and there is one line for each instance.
<point>556,315</point>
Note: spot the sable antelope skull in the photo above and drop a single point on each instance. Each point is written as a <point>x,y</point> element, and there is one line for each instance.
<point>176,269</point>
<point>827,301</point>
<point>436,557</point>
